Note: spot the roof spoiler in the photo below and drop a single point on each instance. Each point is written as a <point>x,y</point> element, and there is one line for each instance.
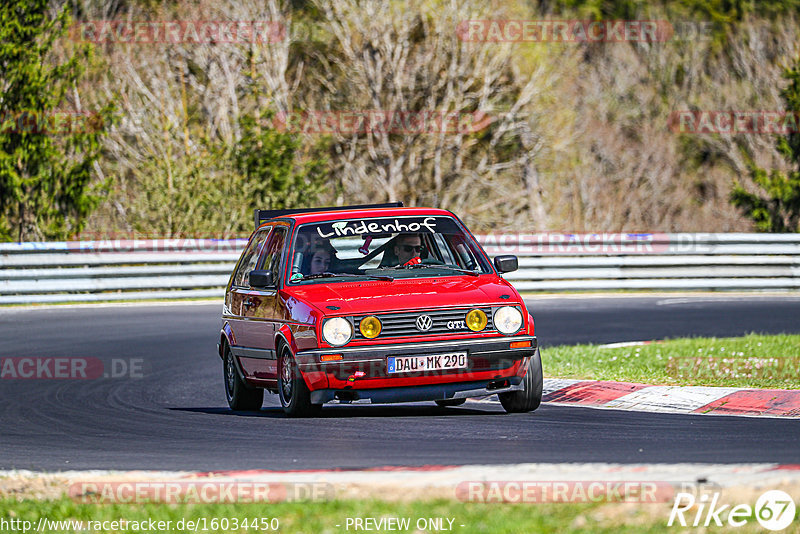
<point>264,215</point>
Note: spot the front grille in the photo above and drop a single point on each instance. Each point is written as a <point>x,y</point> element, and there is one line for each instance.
<point>405,324</point>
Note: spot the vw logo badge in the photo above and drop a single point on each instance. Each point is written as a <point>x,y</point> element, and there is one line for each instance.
<point>424,323</point>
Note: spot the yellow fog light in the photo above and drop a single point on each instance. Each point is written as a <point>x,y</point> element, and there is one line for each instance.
<point>370,327</point>
<point>476,320</point>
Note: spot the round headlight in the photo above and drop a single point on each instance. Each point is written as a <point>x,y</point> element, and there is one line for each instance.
<point>476,320</point>
<point>507,320</point>
<point>337,331</point>
<point>370,327</point>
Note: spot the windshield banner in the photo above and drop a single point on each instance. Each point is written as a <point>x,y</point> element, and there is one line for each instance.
<point>386,225</point>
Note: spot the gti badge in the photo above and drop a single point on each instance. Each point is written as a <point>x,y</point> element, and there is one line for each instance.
<point>424,323</point>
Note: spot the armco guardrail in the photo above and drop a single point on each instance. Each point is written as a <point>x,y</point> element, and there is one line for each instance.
<point>121,269</point>
<point>186,268</point>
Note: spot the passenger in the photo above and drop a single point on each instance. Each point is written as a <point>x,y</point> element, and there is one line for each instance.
<point>317,259</point>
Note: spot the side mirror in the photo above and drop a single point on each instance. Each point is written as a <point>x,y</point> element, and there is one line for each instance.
<point>261,279</point>
<point>506,264</point>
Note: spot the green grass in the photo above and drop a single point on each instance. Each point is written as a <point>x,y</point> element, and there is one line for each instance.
<point>322,517</point>
<point>753,361</point>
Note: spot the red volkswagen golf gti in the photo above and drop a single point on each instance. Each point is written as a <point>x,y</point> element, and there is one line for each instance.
<point>374,303</point>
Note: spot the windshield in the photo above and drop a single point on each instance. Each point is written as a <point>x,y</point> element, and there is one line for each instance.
<point>384,248</point>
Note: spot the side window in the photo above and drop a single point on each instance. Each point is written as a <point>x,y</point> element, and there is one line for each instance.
<point>468,259</point>
<point>444,250</point>
<point>271,258</point>
<point>250,257</point>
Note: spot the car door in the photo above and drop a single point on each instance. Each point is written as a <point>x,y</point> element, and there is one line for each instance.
<point>261,311</point>
<point>240,286</point>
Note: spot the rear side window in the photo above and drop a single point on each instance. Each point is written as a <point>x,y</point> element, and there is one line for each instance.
<point>271,259</point>
<point>250,258</point>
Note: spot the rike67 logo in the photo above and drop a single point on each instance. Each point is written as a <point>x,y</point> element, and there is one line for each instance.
<point>774,510</point>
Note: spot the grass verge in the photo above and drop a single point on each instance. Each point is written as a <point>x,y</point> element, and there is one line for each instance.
<point>752,361</point>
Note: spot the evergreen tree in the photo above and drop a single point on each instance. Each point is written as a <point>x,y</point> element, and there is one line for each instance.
<point>776,206</point>
<point>47,151</point>
<point>272,167</point>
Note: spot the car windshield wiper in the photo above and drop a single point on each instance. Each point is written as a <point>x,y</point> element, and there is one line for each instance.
<point>349,275</point>
<point>435,266</point>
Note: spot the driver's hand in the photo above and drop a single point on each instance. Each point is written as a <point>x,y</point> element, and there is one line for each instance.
<point>416,260</point>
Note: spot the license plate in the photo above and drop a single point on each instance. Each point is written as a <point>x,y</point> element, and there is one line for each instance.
<point>430,362</point>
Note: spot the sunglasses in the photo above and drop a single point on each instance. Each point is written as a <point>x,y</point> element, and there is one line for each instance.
<point>412,248</point>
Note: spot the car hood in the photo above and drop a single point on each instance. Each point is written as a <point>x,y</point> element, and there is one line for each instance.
<point>358,298</point>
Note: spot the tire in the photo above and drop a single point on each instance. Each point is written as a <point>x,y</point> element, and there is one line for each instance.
<point>450,402</point>
<point>529,398</point>
<point>241,397</point>
<point>292,390</point>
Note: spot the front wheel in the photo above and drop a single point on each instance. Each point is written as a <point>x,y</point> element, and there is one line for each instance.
<point>241,397</point>
<point>529,398</point>
<point>292,389</point>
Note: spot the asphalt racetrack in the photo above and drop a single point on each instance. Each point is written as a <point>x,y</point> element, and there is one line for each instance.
<point>172,415</point>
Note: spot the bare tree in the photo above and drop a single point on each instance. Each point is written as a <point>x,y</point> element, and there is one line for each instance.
<point>409,58</point>
<point>180,106</point>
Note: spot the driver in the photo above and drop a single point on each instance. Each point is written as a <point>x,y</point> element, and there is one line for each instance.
<point>406,247</point>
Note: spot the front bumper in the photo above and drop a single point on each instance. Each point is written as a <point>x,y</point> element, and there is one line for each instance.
<point>419,393</point>
<point>492,367</point>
